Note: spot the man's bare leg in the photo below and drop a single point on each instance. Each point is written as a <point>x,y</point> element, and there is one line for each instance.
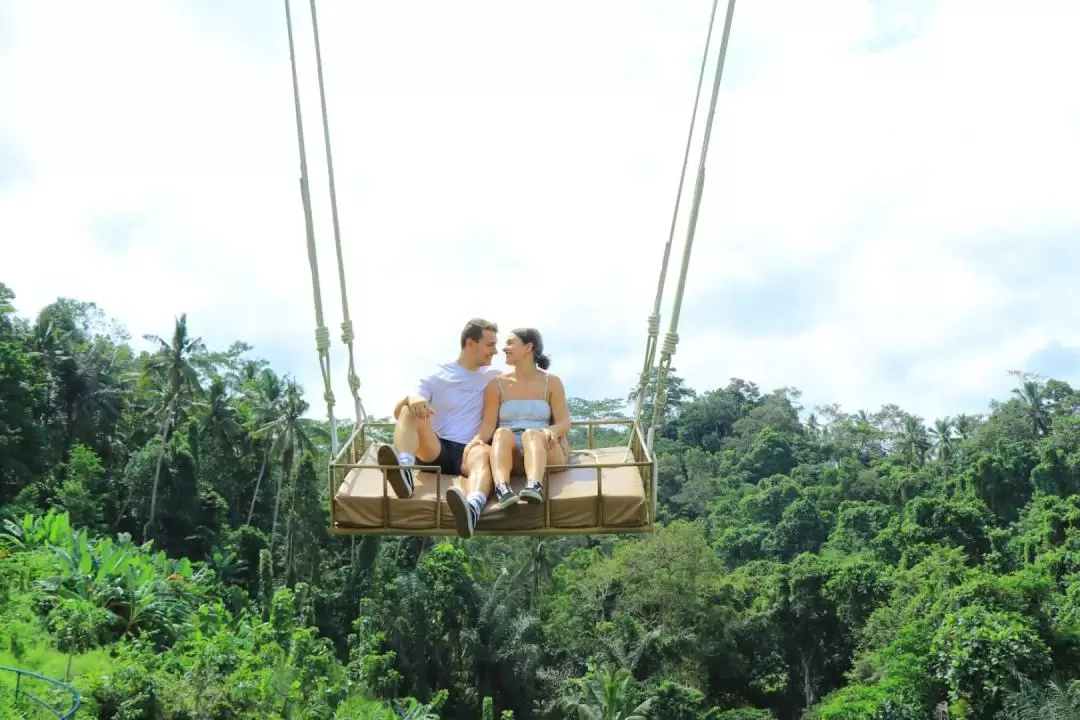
<point>414,440</point>
<point>413,437</point>
<point>476,471</point>
<point>466,503</point>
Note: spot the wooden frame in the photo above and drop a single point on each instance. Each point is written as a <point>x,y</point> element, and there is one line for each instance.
<point>348,459</point>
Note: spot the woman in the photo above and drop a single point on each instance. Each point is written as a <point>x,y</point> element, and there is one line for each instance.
<point>526,418</point>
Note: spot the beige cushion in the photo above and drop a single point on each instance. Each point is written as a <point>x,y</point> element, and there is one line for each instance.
<point>571,497</point>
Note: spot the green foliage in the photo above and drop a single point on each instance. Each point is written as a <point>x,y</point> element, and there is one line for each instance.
<point>165,549</point>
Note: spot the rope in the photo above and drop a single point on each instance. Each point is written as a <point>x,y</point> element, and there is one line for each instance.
<point>672,338</point>
<point>322,335</point>
<point>347,335</point>
<point>654,319</point>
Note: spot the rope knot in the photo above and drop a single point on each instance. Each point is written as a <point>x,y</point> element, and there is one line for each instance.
<point>354,383</point>
<point>347,332</point>
<point>322,339</point>
<point>654,324</point>
<point>670,341</point>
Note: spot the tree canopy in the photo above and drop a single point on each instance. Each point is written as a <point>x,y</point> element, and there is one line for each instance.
<point>165,550</point>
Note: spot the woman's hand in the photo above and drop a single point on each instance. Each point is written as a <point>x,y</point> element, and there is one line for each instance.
<point>549,438</point>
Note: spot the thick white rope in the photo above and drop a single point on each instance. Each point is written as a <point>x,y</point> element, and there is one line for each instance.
<point>347,335</point>
<point>672,338</point>
<point>654,319</point>
<point>322,335</point>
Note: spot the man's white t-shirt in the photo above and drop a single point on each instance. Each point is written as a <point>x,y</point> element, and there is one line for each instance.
<point>457,397</point>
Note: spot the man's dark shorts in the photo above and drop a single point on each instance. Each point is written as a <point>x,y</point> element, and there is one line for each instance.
<point>450,457</point>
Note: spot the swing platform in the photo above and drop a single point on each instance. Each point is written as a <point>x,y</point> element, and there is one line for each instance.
<point>605,490</point>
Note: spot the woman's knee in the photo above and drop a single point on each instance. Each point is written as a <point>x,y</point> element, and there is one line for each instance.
<point>503,434</point>
<point>532,435</point>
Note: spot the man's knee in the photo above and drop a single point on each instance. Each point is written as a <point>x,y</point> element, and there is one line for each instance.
<point>407,420</point>
<point>478,453</point>
<point>477,459</point>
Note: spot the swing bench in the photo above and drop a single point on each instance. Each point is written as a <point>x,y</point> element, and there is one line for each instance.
<point>599,490</point>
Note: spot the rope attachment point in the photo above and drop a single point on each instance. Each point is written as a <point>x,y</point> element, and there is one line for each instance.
<point>670,341</point>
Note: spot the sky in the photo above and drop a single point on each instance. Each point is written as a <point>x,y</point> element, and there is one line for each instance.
<point>891,211</point>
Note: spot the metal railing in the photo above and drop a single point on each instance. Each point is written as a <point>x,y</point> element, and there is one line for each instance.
<point>65,688</point>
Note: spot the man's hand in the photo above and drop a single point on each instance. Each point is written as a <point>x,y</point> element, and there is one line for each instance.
<point>420,408</point>
<point>475,442</point>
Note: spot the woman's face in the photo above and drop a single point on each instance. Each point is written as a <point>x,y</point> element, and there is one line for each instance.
<point>514,350</point>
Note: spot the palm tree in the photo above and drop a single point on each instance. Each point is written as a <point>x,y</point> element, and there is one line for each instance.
<point>289,428</point>
<point>506,639</point>
<point>265,397</point>
<point>244,375</point>
<point>1030,394</point>
<point>860,433</point>
<point>942,436</point>
<point>412,709</point>
<point>965,425</point>
<point>607,697</point>
<point>177,383</point>
<point>914,442</point>
<point>218,424</point>
<point>85,393</point>
<point>1058,700</point>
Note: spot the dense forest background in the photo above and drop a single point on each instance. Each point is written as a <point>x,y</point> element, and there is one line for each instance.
<point>165,549</point>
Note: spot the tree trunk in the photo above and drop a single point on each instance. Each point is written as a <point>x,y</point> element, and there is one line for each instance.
<point>258,480</point>
<point>277,505</point>
<point>165,426</point>
<point>807,682</point>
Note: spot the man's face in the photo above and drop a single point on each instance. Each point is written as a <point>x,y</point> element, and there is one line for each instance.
<point>484,350</point>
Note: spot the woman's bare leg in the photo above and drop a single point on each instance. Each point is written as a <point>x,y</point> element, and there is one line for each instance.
<point>502,464</point>
<point>538,456</point>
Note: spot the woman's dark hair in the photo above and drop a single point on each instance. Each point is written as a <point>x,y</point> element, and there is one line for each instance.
<point>531,336</point>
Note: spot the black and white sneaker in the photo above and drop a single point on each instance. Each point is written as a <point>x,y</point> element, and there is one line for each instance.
<point>532,492</point>
<point>504,496</point>
<point>465,513</point>
<point>400,476</point>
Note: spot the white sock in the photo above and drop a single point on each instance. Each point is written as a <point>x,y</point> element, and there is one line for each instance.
<point>406,458</point>
<point>477,499</point>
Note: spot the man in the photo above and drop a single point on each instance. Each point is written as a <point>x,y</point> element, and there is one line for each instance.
<point>436,423</point>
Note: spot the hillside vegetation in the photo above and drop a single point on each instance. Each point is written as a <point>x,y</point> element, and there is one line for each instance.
<point>165,548</point>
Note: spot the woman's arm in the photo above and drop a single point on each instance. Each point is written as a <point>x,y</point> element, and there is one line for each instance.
<point>490,419</point>
<point>559,408</point>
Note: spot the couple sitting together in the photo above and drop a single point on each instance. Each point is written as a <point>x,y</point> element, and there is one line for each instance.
<point>472,420</point>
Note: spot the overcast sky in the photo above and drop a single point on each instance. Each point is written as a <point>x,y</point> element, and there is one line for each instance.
<point>892,209</point>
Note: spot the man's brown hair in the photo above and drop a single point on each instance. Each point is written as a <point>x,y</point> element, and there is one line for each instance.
<point>474,330</point>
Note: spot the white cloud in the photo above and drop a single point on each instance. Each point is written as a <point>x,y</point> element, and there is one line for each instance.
<point>515,164</point>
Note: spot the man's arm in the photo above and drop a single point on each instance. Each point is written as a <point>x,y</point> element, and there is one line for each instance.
<point>422,394</point>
